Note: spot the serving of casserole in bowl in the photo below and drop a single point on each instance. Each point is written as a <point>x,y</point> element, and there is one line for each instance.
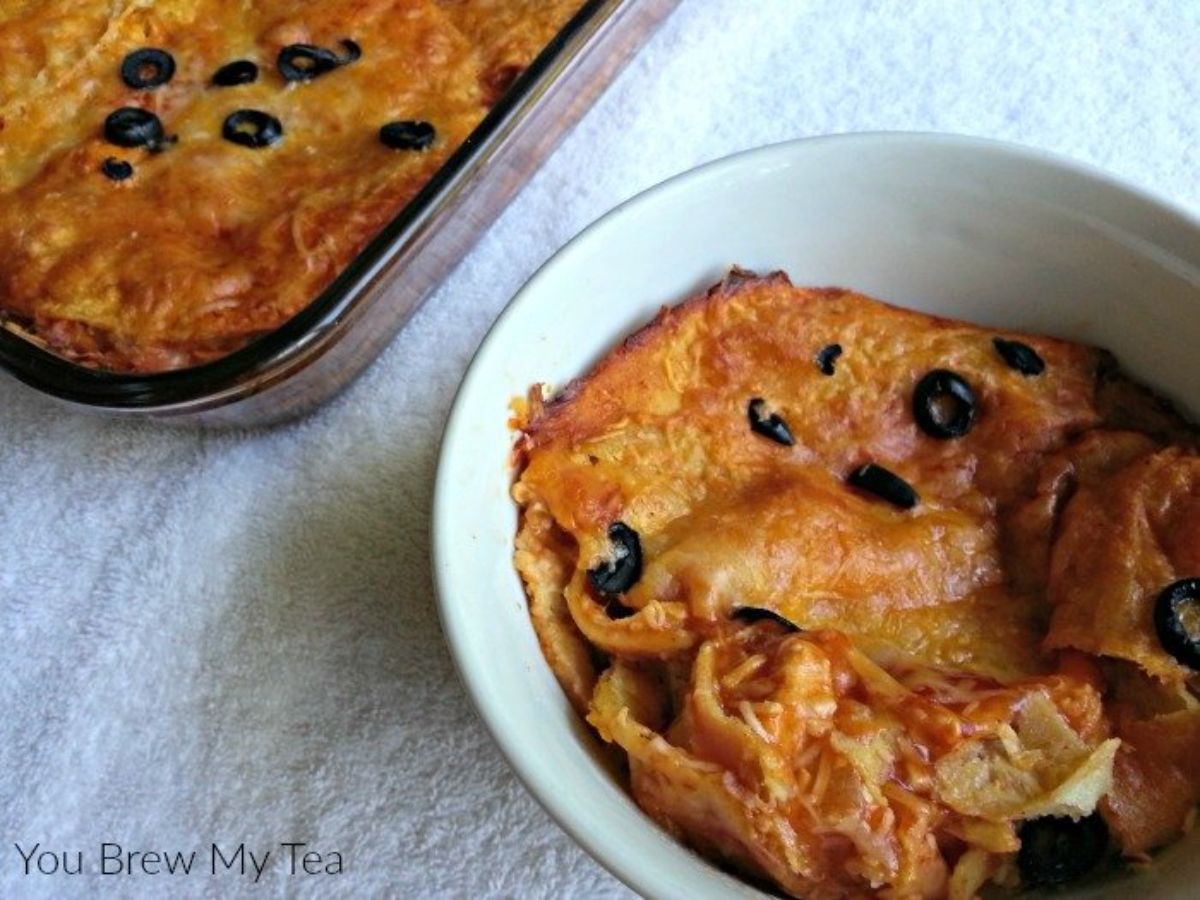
<point>801,591</point>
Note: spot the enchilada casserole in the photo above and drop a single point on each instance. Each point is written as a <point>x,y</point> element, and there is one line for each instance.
<point>178,177</point>
<point>869,602</point>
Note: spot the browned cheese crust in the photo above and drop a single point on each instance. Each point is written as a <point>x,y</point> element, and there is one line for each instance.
<point>962,666</point>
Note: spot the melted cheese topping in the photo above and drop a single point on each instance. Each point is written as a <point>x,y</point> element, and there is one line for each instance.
<point>210,243</point>
<point>950,676</point>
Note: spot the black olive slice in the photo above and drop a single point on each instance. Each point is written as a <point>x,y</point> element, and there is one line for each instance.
<point>944,405</point>
<point>252,128</point>
<point>116,169</point>
<point>827,358</point>
<point>240,71</point>
<point>304,62</point>
<point>771,427</point>
<point>147,68</point>
<point>1019,356</point>
<point>619,573</point>
<point>407,135</point>
<point>884,484</point>
<point>132,126</point>
<point>353,51</point>
<point>1177,621</point>
<point>1056,850</point>
<point>752,614</point>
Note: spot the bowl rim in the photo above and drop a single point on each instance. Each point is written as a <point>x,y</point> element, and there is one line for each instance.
<point>452,615</point>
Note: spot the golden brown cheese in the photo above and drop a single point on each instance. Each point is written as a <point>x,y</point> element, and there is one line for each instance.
<point>657,437</point>
<point>946,684</point>
<point>211,244</point>
<point>512,30</point>
<point>1122,540</point>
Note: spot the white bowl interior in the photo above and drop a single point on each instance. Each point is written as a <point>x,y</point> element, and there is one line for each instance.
<point>965,228</point>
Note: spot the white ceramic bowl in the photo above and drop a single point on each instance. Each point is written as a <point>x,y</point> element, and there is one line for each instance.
<point>977,230</point>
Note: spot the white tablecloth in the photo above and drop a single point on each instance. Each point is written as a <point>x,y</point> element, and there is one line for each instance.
<point>231,637</point>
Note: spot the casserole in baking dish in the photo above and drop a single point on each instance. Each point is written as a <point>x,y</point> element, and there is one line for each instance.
<point>178,178</point>
<point>317,352</point>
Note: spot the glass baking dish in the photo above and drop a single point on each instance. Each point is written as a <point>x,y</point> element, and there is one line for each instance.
<point>319,351</point>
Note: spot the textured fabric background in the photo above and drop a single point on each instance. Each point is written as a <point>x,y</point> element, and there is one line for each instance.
<point>231,637</point>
